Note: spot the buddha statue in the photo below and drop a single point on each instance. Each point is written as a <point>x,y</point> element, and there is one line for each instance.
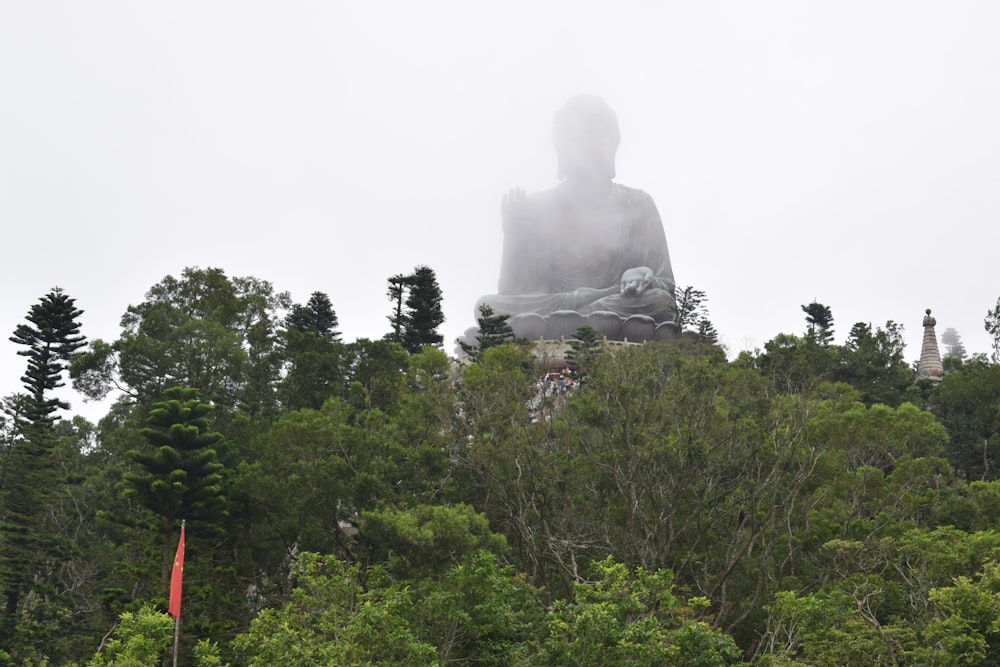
<point>588,251</point>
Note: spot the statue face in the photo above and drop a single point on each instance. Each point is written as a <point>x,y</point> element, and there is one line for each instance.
<point>586,136</point>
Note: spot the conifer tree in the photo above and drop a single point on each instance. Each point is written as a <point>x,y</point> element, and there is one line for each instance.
<point>417,309</point>
<point>28,550</point>
<point>396,293</point>
<point>992,324</point>
<point>52,335</point>
<point>820,321</point>
<point>954,347</point>
<point>179,476</point>
<point>584,347</point>
<point>494,329</point>
<point>316,316</point>
<point>423,311</point>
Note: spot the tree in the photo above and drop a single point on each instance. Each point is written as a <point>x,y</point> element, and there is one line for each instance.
<point>952,342</point>
<point>52,336</point>
<point>143,638</point>
<point>689,306</point>
<point>204,330</point>
<point>494,329</point>
<point>820,321</point>
<point>31,475</point>
<point>423,311</point>
<point>315,369</point>
<point>179,476</point>
<point>396,293</point>
<point>706,331</point>
<point>415,325</point>
<point>630,618</point>
<point>965,401</point>
<point>796,364</point>
<point>992,323</point>
<point>316,316</point>
<point>692,315</point>
<point>584,346</point>
<point>872,361</point>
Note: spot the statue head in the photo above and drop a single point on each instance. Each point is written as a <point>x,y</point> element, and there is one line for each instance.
<point>586,136</point>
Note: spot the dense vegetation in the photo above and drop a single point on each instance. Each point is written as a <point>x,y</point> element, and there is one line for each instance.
<point>374,503</point>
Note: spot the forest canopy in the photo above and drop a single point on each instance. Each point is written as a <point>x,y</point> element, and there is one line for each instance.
<point>379,502</point>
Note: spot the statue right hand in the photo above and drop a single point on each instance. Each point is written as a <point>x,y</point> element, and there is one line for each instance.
<point>513,207</point>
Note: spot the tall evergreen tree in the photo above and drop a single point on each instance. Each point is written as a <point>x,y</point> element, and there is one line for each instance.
<point>692,315</point>
<point>423,311</point>
<point>52,335</point>
<point>398,285</point>
<point>689,306</point>
<point>316,316</point>
<point>820,321</point>
<point>179,476</point>
<point>494,329</point>
<point>992,324</point>
<point>953,346</point>
<point>28,549</point>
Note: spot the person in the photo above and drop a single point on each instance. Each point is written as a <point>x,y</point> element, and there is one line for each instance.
<point>589,245</point>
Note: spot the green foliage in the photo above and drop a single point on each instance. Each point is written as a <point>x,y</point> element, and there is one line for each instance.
<point>333,619</point>
<point>692,315</point>
<point>426,539</point>
<point>480,613</point>
<point>30,545</point>
<point>143,638</point>
<point>922,598</point>
<point>796,365</point>
<point>820,321</point>
<point>380,504</point>
<point>992,324</point>
<point>376,379</point>
<point>417,324</point>
<point>872,361</point>
<point>316,317</point>
<point>52,336</point>
<point>424,314</point>
<point>493,329</point>
<point>584,346</point>
<point>180,477</point>
<point>204,330</point>
<point>965,401</point>
<point>630,618</point>
<point>316,369</point>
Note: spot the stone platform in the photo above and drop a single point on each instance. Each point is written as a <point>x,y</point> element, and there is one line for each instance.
<point>564,324</point>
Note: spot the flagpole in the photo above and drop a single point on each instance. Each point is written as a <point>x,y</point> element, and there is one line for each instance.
<point>175,590</point>
<point>177,637</point>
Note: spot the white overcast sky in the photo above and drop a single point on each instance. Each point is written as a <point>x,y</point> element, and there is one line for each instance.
<point>840,151</point>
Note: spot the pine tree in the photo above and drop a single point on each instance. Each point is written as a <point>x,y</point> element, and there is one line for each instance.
<point>28,548</point>
<point>820,321</point>
<point>707,332</point>
<point>423,311</point>
<point>179,476</point>
<point>584,347</point>
<point>689,306</point>
<point>992,325</point>
<point>316,316</point>
<point>494,329</point>
<point>954,347</point>
<point>396,293</point>
<point>51,335</point>
<point>692,315</point>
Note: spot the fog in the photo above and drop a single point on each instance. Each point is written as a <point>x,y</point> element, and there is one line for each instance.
<point>845,153</point>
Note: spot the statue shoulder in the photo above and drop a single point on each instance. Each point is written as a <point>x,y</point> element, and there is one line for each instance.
<point>633,196</point>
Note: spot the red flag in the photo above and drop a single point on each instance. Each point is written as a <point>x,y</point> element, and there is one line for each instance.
<point>176,578</point>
